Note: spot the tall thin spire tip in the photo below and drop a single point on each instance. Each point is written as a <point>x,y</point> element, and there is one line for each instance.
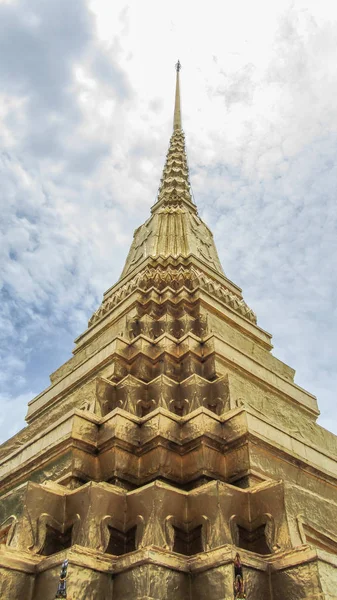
<point>177,112</point>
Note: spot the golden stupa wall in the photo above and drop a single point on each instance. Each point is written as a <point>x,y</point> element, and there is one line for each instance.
<point>172,439</point>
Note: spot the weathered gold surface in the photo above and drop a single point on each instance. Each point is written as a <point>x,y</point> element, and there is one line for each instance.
<point>170,439</point>
<point>14,584</point>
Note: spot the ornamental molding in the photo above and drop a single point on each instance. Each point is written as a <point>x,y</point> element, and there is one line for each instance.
<point>176,279</point>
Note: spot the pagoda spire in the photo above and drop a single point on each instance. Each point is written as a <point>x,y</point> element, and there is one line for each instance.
<point>174,228</point>
<point>175,184</point>
<point>177,109</point>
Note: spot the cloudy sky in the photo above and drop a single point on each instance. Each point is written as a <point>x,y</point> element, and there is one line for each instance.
<point>86,102</point>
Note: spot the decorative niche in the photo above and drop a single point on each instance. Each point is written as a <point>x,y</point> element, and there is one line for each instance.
<point>56,541</point>
<point>121,542</point>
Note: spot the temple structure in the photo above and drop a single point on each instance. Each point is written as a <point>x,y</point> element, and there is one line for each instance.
<point>173,456</point>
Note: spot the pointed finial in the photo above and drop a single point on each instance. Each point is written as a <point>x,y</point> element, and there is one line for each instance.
<point>177,112</point>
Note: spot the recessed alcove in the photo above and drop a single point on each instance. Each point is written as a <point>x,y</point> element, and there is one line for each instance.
<point>56,541</point>
<point>121,542</point>
<point>254,541</point>
<point>145,410</point>
<point>316,538</point>
<point>178,410</point>
<point>188,542</point>
<point>214,407</point>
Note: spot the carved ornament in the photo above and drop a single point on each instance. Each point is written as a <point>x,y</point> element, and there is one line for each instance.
<point>191,278</point>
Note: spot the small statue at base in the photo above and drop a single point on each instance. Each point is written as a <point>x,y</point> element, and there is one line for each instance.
<point>237,566</point>
<point>239,585</point>
<point>62,586</point>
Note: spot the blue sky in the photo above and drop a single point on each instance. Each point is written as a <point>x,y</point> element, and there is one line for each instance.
<point>86,106</point>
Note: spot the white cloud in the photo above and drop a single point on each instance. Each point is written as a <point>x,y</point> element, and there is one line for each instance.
<point>12,414</point>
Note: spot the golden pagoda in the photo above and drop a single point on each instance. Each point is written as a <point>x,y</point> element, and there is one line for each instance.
<point>173,456</point>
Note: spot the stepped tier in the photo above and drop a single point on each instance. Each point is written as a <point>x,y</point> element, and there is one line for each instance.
<point>237,447</point>
<point>127,543</point>
<point>167,281</point>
